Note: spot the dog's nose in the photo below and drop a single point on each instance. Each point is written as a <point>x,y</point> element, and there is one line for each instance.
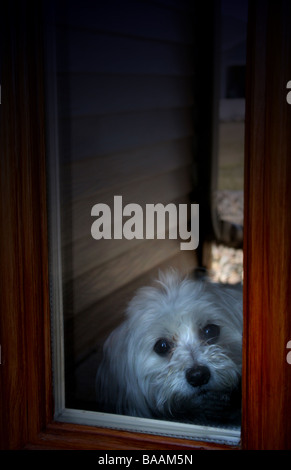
<point>198,375</point>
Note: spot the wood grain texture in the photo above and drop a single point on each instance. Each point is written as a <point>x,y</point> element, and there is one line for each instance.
<point>267,250</point>
<point>72,437</point>
<point>25,336</point>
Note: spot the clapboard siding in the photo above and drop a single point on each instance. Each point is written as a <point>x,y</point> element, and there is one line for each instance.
<point>184,5</point>
<point>87,176</point>
<point>85,254</point>
<point>112,133</point>
<point>110,276</point>
<point>125,75</point>
<point>123,94</point>
<point>90,52</point>
<point>162,188</point>
<point>143,19</point>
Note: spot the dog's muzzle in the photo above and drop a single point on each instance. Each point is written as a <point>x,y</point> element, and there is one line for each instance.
<point>198,375</point>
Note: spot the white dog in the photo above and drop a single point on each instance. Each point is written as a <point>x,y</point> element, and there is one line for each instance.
<point>177,355</point>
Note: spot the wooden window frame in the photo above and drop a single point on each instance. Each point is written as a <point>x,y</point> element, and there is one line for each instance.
<point>25,335</point>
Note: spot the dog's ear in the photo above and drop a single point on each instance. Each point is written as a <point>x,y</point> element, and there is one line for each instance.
<point>102,382</point>
<point>108,386</point>
<point>117,385</point>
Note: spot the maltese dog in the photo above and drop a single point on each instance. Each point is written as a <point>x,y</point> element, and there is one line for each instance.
<point>177,355</point>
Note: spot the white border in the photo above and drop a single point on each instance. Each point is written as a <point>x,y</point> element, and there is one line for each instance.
<point>143,425</point>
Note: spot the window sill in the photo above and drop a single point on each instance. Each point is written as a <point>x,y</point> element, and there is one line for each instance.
<point>65,436</point>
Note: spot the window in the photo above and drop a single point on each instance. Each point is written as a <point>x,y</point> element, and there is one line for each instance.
<point>124,96</point>
<point>235,87</point>
<point>26,392</point>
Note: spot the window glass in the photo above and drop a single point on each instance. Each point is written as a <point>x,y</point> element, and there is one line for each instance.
<point>227,256</point>
<point>122,101</point>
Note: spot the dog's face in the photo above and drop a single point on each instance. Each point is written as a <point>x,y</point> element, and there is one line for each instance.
<point>177,355</point>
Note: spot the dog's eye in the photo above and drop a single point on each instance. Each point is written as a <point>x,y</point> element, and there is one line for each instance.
<point>162,347</point>
<point>210,333</point>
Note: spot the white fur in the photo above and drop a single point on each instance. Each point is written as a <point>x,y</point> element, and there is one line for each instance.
<point>133,379</point>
